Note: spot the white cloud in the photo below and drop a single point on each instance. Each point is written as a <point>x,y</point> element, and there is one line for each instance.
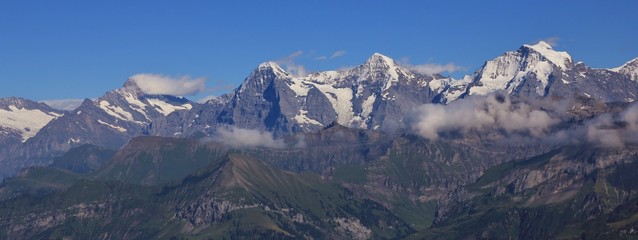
<point>614,130</point>
<point>64,104</point>
<point>552,41</point>
<point>246,138</point>
<point>433,68</point>
<point>337,54</point>
<point>161,84</point>
<point>334,55</point>
<point>291,66</point>
<point>528,124</point>
<point>474,112</point>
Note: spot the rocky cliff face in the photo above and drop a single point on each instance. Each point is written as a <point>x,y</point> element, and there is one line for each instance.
<point>554,194</point>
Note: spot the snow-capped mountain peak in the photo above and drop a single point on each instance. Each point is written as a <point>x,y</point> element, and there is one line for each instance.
<point>381,69</point>
<point>380,63</point>
<point>560,59</point>
<point>541,45</point>
<point>378,60</point>
<point>263,74</point>
<point>513,70</point>
<point>629,69</point>
<point>272,66</point>
<point>129,109</point>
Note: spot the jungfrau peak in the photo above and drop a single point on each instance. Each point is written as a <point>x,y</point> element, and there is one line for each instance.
<point>560,59</point>
<point>513,71</point>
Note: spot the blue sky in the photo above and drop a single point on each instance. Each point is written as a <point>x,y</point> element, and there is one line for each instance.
<point>81,49</point>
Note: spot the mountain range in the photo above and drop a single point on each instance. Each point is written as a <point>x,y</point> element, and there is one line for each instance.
<point>375,95</point>
<point>530,145</point>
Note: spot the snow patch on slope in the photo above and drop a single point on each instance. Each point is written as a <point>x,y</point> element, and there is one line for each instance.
<point>26,121</point>
<point>302,118</point>
<point>118,128</point>
<point>497,73</point>
<point>299,86</point>
<point>326,82</point>
<point>542,70</point>
<point>116,111</point>
<point>437,85</point>
<point>167,108</point>
<point>135,103</point>
<point>341,100</point>
<point>367,106</point>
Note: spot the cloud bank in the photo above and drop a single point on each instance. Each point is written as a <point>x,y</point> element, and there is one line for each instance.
<point>475,112</point>
<point>246,138</point>
<point>614,130</point>
<point>525,123</point>
<point>162,84</point>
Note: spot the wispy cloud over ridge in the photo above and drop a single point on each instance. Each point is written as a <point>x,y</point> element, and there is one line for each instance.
<point>291,66</point>
<point>64,104</point>
<point>162,84</point>
<point>334,55</point>
<point>431,68</point>
<point>246,138</point>
<point>552,41</point>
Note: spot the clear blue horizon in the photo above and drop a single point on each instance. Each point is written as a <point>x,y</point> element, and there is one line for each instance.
<point>81,49</point>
